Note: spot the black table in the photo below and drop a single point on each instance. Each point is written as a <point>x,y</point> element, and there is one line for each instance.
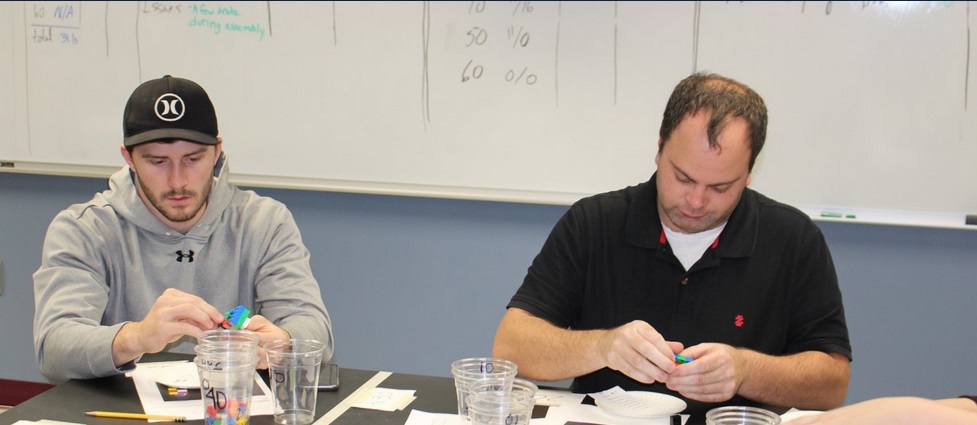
<point>69,401</point>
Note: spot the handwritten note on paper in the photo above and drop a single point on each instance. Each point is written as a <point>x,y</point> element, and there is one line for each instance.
<point>386,399</point>
<point>618,400</point>
<point>555,398</point>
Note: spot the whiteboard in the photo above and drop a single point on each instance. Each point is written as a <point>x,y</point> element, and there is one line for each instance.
<point>871,103</point>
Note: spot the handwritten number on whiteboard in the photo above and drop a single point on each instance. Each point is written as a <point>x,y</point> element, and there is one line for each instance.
<point>476,71</point>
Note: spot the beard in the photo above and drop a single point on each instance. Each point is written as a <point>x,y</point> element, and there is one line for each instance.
<point>177,215</point>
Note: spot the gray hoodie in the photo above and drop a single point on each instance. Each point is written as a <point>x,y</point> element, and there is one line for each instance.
<point>106,261</point>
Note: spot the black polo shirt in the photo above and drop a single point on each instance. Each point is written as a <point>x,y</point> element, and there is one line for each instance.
<point>769,284</point>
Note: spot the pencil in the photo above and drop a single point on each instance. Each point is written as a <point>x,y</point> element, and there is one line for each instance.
<point>137,416</point>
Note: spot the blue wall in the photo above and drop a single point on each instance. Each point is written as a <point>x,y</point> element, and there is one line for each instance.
<point>414,283</point>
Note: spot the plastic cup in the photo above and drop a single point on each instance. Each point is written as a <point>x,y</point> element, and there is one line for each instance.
<point>495,389</point>
<point>226,389</point>
<point>741,415</point>
<point>227,354</point>
<point>500,410</point>
<point>468,371</point>
<point>226,351</point>
<point>222,358</point>
<point>225,337</point>
<point>293,370</point>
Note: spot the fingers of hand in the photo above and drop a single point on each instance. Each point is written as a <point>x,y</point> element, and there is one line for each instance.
<point>639,351</point>
<point>654,349</point>
<point>632,362</point>
<point>155,338</point>
<point>170,318</point>
<point>189,313</point>
<point>709,395</point>
<point>174,305</point>
<point>635,370</point>
<point>701,381</point>
<point>258,322</point>
<point>267,331</point>
<point>262,359</point>
<point>174,298</point>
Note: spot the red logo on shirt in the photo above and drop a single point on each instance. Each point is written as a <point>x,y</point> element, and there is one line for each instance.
<point>738,321</point>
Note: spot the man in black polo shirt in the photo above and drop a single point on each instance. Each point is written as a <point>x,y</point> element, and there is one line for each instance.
<point>690,263</point>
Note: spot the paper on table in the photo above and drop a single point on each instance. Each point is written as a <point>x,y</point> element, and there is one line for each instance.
<point>566,413</point>
<point>557,397</point>
<point>585,413</point>
<point>156,365</point>
<point>794,414</point>
<point>564,407</point>
<point>385,399</point>
<point>418,417</point>
<point>158,399</point>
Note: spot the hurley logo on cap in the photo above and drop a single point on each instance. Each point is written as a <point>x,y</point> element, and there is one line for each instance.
<point>169,108</point>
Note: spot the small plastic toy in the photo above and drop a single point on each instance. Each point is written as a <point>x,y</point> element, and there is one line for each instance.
<point>236,318</point>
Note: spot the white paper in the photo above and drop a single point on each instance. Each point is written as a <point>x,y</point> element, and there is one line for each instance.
<point>794,414</point>
<point>385,399</point>
<point>556,397</point>
<point>418,417</point>
<point>152,398</point>
<point>564,407</point>
<point>595,415</point>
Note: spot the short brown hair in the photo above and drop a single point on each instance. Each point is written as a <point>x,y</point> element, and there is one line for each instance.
<point>724,98</point>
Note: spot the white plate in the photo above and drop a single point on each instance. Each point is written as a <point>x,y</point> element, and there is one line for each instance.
<point>652,404</point>
<point>182,376</point>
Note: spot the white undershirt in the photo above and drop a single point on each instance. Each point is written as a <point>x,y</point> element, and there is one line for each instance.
<point>688,248</point>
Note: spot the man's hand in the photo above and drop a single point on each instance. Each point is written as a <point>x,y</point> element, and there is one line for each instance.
<point>637,350</point>
<point>173,315</point>
<point>267,332</point>
<point>714,376</point>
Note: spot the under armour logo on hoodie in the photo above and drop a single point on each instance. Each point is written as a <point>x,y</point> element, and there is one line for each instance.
<point>180,256</point>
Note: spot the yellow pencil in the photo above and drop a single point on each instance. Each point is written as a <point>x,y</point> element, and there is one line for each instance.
<point>136,416</point>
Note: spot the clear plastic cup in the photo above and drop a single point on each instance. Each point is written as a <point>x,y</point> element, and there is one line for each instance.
<point>491,388</point>
<point>227,359</point>
<point>226,389</point>
<point>741,415</point>
<point>500,410</point>
<point>470,370</point>
<point>227,354</point>
<point>227,337</point>
<point>293,370</point>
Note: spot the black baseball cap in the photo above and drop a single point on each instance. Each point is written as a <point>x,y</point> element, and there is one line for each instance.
<point>169,108</point>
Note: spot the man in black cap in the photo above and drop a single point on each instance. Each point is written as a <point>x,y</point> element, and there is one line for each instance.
<point>155,259</point>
